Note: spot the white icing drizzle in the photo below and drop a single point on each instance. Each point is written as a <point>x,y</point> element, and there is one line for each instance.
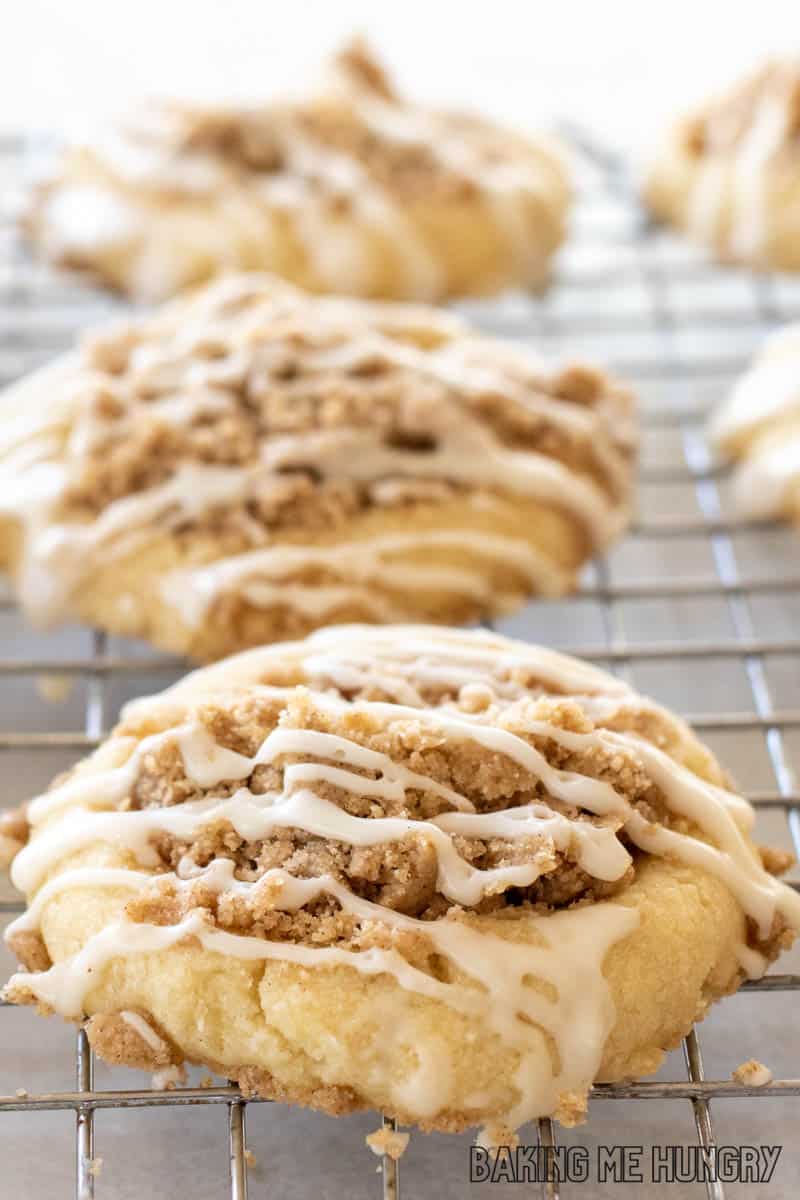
<point>749,231</point>
<point>336,248</point>
<point>87,217</point>
<point>336,207</point>
<point>42,451</point>
<point>706,199</point>
<point>164,1077</point>
<point>759,424</point>
<point>738,185</point>
<point>570,959</point>
<point>767,479</point>
<point>304,810</point>
<point>260,576</point>
<point>566,949</point>
<point>769,390</point>
<point>751,961</point>
<point>352,656</point>
<point>731,188</point>
<point>503,182</point>
<point>467,454</point>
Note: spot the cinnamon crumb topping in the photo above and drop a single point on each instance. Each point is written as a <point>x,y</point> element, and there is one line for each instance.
<point>29,949</point>
<point>352,115</point>
<point>401,875</point>
<point>220,380</point>
<point>752,1074</point>
<point>118,1041</point>
<point>388,1141</point>
<point>571,1109</point>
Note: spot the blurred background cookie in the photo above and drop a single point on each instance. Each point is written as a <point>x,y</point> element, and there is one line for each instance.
<point>759,427</point>
<point>253,462</point>
<point>729,174</point>
<point>351,189</point>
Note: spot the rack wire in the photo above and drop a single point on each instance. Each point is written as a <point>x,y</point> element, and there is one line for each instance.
<point>618,292</point>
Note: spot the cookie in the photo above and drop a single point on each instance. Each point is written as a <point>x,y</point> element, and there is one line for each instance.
<point>729,174</point>
<point>758,427</point>
<point>438,873</point>
<point>349,189</point>
<point>253,462</point>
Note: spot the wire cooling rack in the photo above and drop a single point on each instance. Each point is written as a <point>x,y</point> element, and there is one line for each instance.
<point>693,601</point>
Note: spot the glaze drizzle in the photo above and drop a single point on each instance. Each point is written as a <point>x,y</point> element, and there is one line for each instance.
<point>582,815</point>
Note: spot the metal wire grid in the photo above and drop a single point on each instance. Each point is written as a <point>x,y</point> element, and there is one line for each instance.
<point>41,313</point>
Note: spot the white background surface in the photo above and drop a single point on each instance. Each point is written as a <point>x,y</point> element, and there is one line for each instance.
<point>620,65</point>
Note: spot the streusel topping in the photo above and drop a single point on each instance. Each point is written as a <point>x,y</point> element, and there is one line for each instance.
<point>269,820</point>
<point>355,117</point>
<point>261,418</point>
<point>473,827</point>
<point>216,381</point>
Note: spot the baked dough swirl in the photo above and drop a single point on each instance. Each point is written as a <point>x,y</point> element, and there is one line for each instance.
<point>253,462</point>
<point>730,173</point>
<point>436,872</point>
<point>758,426</point>
<point>351,189</point>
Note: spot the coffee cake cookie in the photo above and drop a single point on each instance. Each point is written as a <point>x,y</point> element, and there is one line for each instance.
<point>253,462</point>
<point>730,173</point>
<point>351,189</point>
<point>758,426</point>
<point>438,873</point>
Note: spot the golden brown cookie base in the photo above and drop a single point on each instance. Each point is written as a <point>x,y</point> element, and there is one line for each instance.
<point>282,1020</point>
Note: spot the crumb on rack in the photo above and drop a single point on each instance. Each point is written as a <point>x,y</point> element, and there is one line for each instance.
<point>571,1109</point>
<point>475,697</point>
<point>250,1159</point>
<point>55,689</point>
<point>496,1137</point>
<point>95,1167</point>
<point>206,1082</point>
<point>22,1093</point>
<point>752,1074</point>
<point>388,1141</point>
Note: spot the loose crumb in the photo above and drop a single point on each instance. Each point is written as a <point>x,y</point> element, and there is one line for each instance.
<point>22,1093</point>
<point>571,1109</point>
<point>496,1137</point>
<point>388,1141</point>
<point>475,697</point>
<point>55,689</point>
<point>95,1166</point>
<point>206,1082</point>
<point>752,1074</point>
<point>250,1159</point>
